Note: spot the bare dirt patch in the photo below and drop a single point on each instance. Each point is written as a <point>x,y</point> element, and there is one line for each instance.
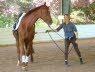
<point>48,58</point>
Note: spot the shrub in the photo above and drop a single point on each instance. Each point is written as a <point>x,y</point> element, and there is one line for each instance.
<point>5,21</point>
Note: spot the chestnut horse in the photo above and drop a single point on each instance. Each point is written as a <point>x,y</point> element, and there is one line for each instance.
<point>25,33</point>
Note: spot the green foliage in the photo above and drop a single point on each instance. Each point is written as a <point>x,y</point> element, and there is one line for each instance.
<point>92,5</point>
<point>88,13</point>
<point>24,4</point>
<point>40,22</point>
<point>25,1</point>
<point>82,14</point>
<point>78,22</point>
<point>55,19</point>
<point>5,21</point>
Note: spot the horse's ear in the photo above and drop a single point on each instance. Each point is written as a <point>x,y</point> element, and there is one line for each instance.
<point>45,3</point>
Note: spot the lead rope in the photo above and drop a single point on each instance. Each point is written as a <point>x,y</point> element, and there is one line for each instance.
<point>56,43</point>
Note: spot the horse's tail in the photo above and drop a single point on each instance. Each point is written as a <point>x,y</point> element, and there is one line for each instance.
<point>15,33</point>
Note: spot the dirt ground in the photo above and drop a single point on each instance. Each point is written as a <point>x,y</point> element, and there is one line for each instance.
<point>48,58</point>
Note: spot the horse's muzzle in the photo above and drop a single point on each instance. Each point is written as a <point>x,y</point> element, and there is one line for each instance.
<point>49,22</point>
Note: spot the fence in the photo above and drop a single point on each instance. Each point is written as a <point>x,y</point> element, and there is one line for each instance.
<point>85,31</point>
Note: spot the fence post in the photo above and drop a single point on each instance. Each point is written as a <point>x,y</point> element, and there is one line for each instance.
<point>65,6</point>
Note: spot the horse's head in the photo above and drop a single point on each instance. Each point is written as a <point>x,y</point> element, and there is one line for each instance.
<point>45,14</point>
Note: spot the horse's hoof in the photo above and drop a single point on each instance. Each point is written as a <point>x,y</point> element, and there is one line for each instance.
<point>23,64</point>
<point>24,68</point>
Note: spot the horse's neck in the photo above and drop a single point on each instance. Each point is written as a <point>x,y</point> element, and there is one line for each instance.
<point>34,18</point>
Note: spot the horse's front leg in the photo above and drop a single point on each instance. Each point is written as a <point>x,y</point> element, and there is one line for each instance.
<point>22,52</point>
<point>28,51</point>
<point>25,56</point>
<point>31,52</point>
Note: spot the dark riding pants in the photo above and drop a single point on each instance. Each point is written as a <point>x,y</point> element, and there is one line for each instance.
<point>75,45</point>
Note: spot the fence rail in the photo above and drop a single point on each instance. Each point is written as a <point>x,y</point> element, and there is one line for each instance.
<point>85,31</point>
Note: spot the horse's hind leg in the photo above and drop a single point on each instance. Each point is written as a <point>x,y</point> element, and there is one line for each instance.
<point>15,33</point>
<point>28,51</point>
<point>18,51</point>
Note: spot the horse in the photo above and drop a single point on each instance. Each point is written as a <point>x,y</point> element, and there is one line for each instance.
<point>25,33</point>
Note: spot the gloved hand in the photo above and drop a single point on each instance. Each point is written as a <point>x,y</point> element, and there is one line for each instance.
<point>47,31</point>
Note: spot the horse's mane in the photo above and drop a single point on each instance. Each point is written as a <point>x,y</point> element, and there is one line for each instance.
<point>32,10</point>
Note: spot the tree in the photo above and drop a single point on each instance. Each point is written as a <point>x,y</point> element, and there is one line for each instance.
<point>55,5</point>
<point>87,6</point>
<point>81,3</point>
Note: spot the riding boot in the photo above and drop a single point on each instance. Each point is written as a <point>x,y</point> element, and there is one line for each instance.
<point>81,61</point>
